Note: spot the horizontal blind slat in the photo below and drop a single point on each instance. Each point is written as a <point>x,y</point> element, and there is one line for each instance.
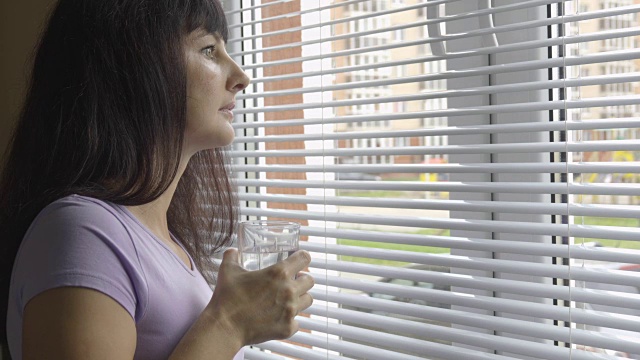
<point>445,94</point>
<point>389,29</point>
<point>480,187</point>
<point>575,39</point>
<point>601,57</point>
<point>488,322</point>
<point>255,7</point>
<point>513,246</point>
<point>388,340</point>
<point>471,14</point>
<point>347,348</point>
<point>524,147</point>
<point>517,346</point>
<point>478,110</point>
<point>480,302</point>
<point>628,211</point>
<point>513,227</point>
<point>566,19</point>
<point>508,187</point>
<point>453,93</point>
<point>571,60</point>
<point>607,276</point>
<point>339,21</point>
<point>297,351</point>
<point>608,298</point>
<point>440,131</point>
<point>319,24</point>
<point>252,353</point>
<point>631,167</point>
<point>397,342</point>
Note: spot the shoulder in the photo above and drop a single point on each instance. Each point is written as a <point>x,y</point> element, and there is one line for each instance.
<point>75,210</point>
<point>78,226</point>
<point>78,218</point>
<point>80,241</point>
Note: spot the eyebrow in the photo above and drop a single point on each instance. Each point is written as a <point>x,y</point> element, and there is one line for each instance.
<point>219,38</point>
<point>201,33</point>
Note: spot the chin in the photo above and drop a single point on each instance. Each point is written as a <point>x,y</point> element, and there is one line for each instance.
<point>226,141</point>
<point>221,144</point>
<point>209,145</point>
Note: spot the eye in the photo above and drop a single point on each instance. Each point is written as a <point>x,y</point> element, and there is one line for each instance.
<point>209,51</point>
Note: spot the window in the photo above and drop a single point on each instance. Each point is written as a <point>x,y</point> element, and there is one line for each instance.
<point>479,204</point>
<point>398,35</point>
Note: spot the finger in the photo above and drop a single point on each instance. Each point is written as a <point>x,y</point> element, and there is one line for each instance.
<point>304,282</point>
<point>296,262</point>
<point>293,329</point>
<point>306,300</point>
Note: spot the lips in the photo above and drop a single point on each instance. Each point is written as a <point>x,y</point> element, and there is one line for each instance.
<point>228,109</point>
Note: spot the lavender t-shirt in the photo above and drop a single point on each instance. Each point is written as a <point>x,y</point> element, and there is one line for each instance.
<point>84,242</point>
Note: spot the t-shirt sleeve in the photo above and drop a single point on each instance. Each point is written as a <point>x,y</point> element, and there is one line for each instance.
<point>80,243</point>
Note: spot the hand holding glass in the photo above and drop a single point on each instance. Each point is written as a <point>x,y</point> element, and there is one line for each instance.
<point>262,243</point>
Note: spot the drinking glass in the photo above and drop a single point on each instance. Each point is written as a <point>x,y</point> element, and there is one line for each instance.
<point>262,243</point>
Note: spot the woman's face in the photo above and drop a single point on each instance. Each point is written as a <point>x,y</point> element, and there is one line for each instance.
<point>213,80</point>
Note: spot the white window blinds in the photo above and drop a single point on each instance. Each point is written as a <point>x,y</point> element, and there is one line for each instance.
<point>466,172</point>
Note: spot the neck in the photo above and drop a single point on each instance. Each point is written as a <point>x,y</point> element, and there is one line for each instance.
<point>154,214</point>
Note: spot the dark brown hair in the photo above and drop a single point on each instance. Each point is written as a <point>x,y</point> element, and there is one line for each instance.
<point>105,115</point>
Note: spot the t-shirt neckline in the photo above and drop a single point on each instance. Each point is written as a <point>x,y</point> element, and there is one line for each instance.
<point>192,269</point>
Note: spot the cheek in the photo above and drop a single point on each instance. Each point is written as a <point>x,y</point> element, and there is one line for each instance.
<point>202,81</point>
<point>209,79</point>
<point>201,98</point>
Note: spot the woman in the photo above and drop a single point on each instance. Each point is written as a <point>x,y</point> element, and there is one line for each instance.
<point>115,194</point>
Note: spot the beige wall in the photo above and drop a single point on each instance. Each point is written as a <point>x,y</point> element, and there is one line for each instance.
<point>20,24</point>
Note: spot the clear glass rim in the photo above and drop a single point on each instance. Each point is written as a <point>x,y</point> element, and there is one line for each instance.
<point>270,224</point>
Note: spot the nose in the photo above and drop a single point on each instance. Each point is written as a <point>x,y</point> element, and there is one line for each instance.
<point>238,80</point>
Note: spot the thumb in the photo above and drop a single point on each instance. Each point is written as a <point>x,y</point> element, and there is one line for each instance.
<point>230,256</point>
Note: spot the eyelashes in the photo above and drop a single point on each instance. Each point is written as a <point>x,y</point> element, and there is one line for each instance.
<point>209,51</point>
